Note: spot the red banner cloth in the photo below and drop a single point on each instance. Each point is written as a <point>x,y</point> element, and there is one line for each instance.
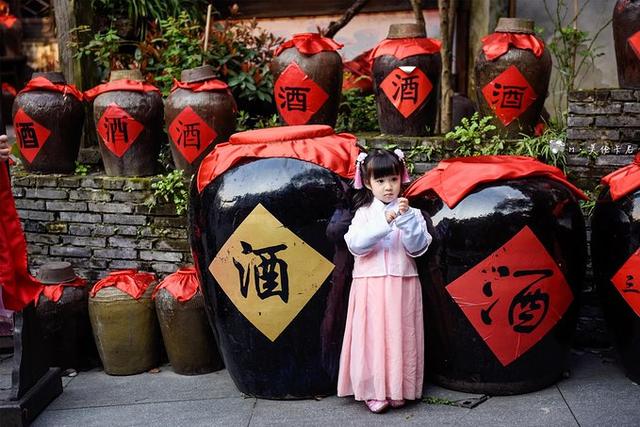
<point>453,179</point>
<point>129,281</point>
<point>317,144</point>
<point>8,88</point>
<point>124,84</point>
<point>205,86</point>
<point>309,44</point>
<point>624,180</point>
<point>183,284</point>
<point>8,20</point>
<point>41,83</point>
<point>497,44</point>
<point>19,288</point>
<point>359,73</point>
<point>54,292</point>
<point>403,48</point>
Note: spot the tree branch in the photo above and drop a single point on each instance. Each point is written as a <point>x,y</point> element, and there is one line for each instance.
<point>416,5</point>
<point>336,26</point>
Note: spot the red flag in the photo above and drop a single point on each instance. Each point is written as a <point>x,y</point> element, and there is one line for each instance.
<point>19,288</point>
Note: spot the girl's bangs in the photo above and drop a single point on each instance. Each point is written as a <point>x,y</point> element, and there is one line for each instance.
<point>381,166</point>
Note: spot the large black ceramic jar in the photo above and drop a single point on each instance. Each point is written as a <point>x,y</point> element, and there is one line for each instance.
<point>200,112</point>
<point>615,245</point>
<point>61,309</point>
<point>512,74</point>
<point>47,117</point>
<point>129,119</point>
<point>185,330</point>
<point>260,215</point>
<point>308,79</point>
<point>406,75</point>
<point>626,38</point>
<point>503,273</point>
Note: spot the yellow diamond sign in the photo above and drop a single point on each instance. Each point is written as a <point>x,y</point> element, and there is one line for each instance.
<point>268,272</point>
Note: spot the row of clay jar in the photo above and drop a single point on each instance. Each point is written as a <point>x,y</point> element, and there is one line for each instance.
<point>131,314</point>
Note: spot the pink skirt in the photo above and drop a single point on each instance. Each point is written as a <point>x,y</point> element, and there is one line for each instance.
<point>383,349</point>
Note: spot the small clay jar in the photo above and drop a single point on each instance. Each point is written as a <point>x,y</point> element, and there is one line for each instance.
<point>511,81</point>
<point>200,112</point>
<point>186,333</point>
<point>406,74</point>
<point>626,38</point>
<point>48,124</point>
<point>307,72</point>
<point>129,125</point>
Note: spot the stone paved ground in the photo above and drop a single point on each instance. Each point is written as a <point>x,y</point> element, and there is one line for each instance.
<point>595,394</point>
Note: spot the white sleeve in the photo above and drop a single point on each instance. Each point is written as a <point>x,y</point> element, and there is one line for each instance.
<point>365,231</point>
<point>415,237</point>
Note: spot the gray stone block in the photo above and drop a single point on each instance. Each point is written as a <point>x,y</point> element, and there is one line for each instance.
<point>584,108</point>
<point>80,217</point>
<point>121,253</point>
<point>622,95</point>
<point>593,134</point>
<point>631,107</point>
<point>124,219</point>
<point>93,242</point>
<point>70,251</point>
<point>161,256</point>
<point>57,228</point>
<point>617,121</point>
<point>88,194</point>
<point>578,121</point>
<point>67,206</point>
<point>30,204</point>
<point>124,264</point>
<point>125,242</point>
<point>164,267</point>
<point>110,207</point>
<point>42,238</point>
<point>45,181</point>
<point>81,229</point>
<point>46,193</point>
<point>36,215</point>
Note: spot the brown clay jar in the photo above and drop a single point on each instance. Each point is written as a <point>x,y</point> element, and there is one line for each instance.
<point>200,112</point>
<point>48,125</point>
<point>626,37</point>
<point>512,85</point>
<point>129,126</point>
<point>307,72</point>
<point>406,74</point>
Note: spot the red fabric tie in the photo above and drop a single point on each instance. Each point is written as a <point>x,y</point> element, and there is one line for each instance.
<point>129,281</point>
<point>54,292</point>
<point>205,86</point>
<point>313,143</point>
<point>404,48</point>
<point>8,88</point>
<point>309,44</point>
<point>124,84</point>
<point>359,70</point>
<point>8,21</point>
<point>41,83</point>
<point>624,180</point>
<point>19,288</point>
<point>183,284</point>
<point>497,44</point>
<point>453,179</point>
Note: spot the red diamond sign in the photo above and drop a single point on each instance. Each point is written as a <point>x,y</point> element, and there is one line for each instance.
<point>627,283</point>
<point>509,95</point>
<point>190,134</point>
<point>634,42</point>
<point>514,296</point>
<point>297,96</point>
<point>31,135</point>
<point>118,129</point>
<point>407,88</point>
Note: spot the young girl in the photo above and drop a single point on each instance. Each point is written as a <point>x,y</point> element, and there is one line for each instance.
<point>382,359</point>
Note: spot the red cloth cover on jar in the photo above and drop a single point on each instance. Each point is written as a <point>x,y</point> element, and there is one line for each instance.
<point>129,281</point>
<point>54,292</point>
<point>404,48</point>
<point>317,144</point>
<point>205,86</point>
<point>309,44</point>
<point>497,44</point>
<point>8,20</point>
<point>183,284</point>
<point>454,178</point>
<point>18,287</point>
<point>624,180</point>
<point>41,83</point>
<point>124,84</point>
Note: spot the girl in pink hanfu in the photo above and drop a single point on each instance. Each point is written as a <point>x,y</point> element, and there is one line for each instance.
<point>382,359</point>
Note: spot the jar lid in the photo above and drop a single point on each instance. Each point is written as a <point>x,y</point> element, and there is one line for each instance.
<point>56,272</point>
<point>135,75</point>
<point>197,74</point>
<point>55,77</point>
<point>280,134</point>
<point>515,25</point>
<point>406,30</point>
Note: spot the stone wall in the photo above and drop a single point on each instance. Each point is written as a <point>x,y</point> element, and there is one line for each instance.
<point>99,224</point>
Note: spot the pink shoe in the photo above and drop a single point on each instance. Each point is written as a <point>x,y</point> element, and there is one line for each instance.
<point>397,403</point>
<point>377,406</point>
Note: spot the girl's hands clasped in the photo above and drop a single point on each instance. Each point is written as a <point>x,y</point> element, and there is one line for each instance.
<point>403,207</point>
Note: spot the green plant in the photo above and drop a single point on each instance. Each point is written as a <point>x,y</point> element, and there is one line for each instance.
<point>548,147</point>
<point>81,169</point>
<point>245,121</point>
<point>474,136</point>
<point>357,113</point>
<point>170,188</point>
<point>574,51</point>
<point>589,205</point>
<point>418,152</point>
